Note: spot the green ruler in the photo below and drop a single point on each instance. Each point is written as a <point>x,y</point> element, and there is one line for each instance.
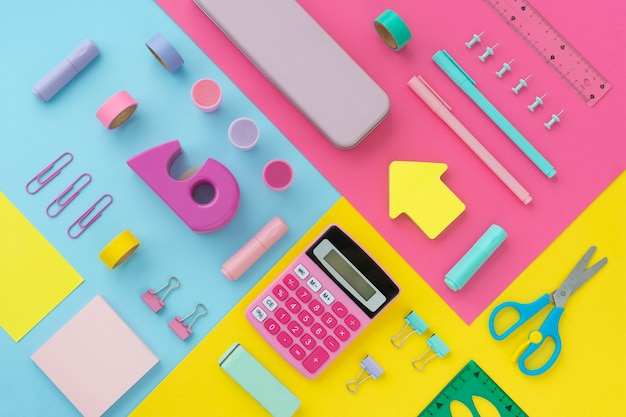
<point>472,381</point>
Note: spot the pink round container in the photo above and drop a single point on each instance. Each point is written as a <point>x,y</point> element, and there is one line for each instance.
<point>206,94</point>
<point>277,175</point>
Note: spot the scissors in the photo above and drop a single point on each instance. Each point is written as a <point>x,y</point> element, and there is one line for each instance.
<point>550,327</point>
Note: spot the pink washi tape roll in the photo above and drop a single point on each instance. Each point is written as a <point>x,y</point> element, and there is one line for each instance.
<point>116,110</point>
<point>206,94</point>
<point>277,175</point>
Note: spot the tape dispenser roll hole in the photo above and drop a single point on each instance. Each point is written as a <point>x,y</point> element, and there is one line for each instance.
<point>203,193</point>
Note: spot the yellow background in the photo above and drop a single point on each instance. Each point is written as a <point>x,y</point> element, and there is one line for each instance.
<point>587,379</point>
<point>34,277</point>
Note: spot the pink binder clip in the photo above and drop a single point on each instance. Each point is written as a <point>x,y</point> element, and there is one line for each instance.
<point>84,221</point>
<point>183,330</point>
<point>152,299</point>
<point>49,173</point>
<point>63,200</point>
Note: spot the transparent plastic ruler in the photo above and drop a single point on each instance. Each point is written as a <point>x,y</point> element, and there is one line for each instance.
<point>541,36</point>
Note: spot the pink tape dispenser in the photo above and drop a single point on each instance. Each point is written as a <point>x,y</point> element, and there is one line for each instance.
<point>153,166</point>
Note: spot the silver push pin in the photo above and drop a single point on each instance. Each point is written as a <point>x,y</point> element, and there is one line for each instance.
<point>505,67</point>
<point>538,101</point>
<point>437,346</point>
<point>554,119</point>
<point>369,366</point>
<point>475,39</point>
<point>488,52</point>
<point>522,83</point>
<point>418,325</point>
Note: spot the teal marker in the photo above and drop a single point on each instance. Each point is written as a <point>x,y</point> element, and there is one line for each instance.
<point>465,83</point>
<point>478,254</point>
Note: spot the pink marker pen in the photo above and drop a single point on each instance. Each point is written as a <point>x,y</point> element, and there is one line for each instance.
<point>249,253</point>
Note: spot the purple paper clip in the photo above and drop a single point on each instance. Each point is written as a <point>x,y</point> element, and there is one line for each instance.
<point>152,299</point>
<point>61,201</point>
<point>41,179</point>
<point>85,216</point>
<point>183,330</point>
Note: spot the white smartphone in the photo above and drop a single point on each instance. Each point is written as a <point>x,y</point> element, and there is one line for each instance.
<point>305,64</point>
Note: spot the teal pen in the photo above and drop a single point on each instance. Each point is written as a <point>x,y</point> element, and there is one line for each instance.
<point>465,83</point>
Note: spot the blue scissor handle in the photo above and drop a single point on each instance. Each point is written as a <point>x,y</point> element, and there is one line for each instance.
<point>525,312</point>
<point>549,329</point>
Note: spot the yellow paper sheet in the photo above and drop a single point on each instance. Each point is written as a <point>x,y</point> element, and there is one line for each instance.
<point>586,380</point>
<point>34,277</point>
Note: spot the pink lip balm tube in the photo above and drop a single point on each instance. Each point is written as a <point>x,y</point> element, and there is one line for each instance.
<point>66,70</point>
<point>249,253</point>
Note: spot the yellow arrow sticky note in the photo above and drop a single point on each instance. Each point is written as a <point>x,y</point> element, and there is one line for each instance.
<point>416,189</point>
<point>34,277</point>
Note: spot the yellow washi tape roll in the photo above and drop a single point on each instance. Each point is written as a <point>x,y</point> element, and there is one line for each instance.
<point>119,249</point>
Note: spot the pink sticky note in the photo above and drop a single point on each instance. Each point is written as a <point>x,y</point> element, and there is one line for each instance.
<point>95,358</point>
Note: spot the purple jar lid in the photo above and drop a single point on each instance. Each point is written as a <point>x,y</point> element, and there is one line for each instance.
<point>243,133</point>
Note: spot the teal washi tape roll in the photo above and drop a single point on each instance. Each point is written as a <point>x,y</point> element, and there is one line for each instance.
<point>392,29</point>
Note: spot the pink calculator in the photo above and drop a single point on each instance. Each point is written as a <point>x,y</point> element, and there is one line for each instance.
<point>321,302</point>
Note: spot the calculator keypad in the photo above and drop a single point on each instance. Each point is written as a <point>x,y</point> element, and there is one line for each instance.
<point>306,317</point>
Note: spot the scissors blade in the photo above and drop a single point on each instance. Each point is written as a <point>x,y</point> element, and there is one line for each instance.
<point>577,277</point>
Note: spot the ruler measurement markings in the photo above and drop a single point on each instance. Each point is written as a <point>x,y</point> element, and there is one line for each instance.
<point>553,48</point>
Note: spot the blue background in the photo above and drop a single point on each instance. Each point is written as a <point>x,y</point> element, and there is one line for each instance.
<point>36,35</point>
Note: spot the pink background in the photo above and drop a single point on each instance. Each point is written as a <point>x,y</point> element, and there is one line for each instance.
<point>586,148</point>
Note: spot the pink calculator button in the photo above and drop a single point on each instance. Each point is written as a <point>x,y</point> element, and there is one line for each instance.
<point>329,320</point>
<point>291,282</point>
<point>316,359</point>
<point>308,341</point>
<point>352,322</point>
<point>282,315</point>
<point>295,328</point>
<point>316,307</point>
<point>331,343</point>
<point>318,331</point>
<point>297,352</point>
<point>271,326</point>
<point>306,318</point>
<point>342,333</point>
<point>293,305</point>
<point>339,309</point>
<point>284,339</point>
<point>303,294</point>
<point>280,292</point>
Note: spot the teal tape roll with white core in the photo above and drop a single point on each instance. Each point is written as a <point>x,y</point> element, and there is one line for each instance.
<point>392,29</point>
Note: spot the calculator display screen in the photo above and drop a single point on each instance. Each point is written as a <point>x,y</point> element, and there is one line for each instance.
<point>358,275</point>
<point>351,275</point>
